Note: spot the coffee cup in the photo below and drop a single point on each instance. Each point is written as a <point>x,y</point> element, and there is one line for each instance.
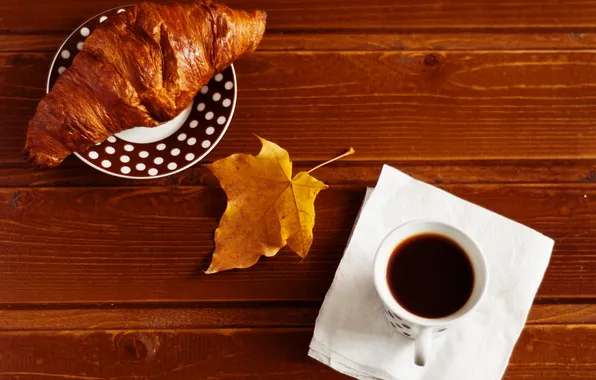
<point>429,276</point>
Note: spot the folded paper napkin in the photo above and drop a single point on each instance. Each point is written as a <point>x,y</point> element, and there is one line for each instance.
<point>351,333</point>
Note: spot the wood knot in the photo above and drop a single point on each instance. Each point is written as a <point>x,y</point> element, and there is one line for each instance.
<point>431,60</point>
<point>14,199</point>
<point>591,177</point>
<point>19,198</point>
<point>137,347</point>
<point>20,60</point>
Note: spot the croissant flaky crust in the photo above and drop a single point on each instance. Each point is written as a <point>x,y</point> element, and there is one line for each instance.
<point>139,68</point>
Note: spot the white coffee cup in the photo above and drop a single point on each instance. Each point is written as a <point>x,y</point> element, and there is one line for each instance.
<point>412,326</point>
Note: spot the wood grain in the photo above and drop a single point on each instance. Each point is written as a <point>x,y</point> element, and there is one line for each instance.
<point>388,106</point>
<point>562,314</point>
<point>553,353</point>
<point>356,173</point>
<point>174,316</point>
<point>243,353</point>
<point>159,316</point>
<point>174,354</point>
<point>288,15</point>
<point>102,277</point>
<point>388,41</point>
<point>422,40</point>
<point>151,244</point>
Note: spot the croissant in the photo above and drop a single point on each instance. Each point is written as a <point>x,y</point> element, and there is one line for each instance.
<point>139,68</point>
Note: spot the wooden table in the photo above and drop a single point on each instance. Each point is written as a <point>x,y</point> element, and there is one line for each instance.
<point>493,101</point>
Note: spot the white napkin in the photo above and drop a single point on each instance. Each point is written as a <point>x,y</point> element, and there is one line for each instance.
<point>351,333</point>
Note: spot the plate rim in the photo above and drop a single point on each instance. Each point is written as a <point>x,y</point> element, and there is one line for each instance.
<point>176,171</point>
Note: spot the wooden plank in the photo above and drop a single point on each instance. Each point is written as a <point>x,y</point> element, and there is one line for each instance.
<point>388,106</point>
<point>151,244</point>
<point>182,316</point>
<point>390,41</point>
<point>287,15</point>
<point>555,352</point>
<point>584,313</point>
<point>204,316</point>
<point>174,354</point>
<point>440,41</point>
<point>27,43</point>
<point>357,173</point>
<point>164,252</point>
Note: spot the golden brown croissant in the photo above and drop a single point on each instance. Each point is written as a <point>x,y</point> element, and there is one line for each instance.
<point>139,68</point>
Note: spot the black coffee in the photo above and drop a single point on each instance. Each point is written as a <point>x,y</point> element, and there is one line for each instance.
<point>430,276</point>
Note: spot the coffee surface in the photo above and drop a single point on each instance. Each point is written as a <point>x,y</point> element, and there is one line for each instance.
<point>430,276</point>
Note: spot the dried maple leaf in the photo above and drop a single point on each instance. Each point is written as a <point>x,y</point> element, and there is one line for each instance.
<point>267,208</point>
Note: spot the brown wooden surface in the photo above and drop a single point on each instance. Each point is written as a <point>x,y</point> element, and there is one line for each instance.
<point>271,353</point>
<point>89,243</point>
<point>290,15</point>
<point>102,277</point>
<point>422,105</point>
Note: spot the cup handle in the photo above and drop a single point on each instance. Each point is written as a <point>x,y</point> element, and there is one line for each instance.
<point>422,346</point>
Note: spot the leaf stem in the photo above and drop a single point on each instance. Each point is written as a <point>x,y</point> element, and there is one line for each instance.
<point>350,152</point>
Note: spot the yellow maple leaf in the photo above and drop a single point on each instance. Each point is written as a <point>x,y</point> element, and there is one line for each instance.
<point>266,210</point>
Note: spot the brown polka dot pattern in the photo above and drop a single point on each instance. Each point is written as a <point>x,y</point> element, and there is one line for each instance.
<point>404,329</point>
<point>210,115</point>
<point>395,321</point>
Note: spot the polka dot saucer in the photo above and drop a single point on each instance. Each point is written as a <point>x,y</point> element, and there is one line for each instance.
<point>145,153</point>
